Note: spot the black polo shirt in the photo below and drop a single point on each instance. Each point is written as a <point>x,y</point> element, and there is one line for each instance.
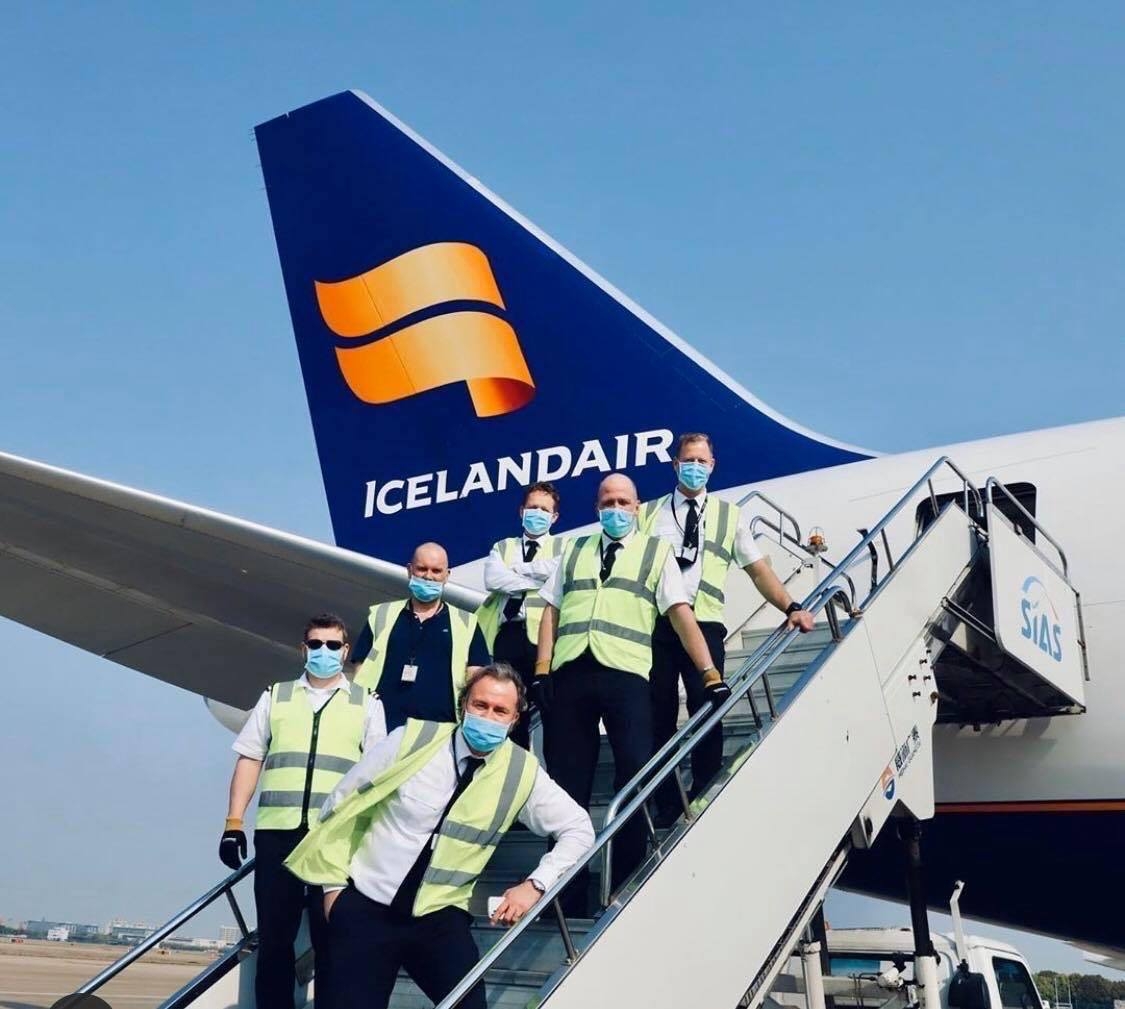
<point>427,644</point>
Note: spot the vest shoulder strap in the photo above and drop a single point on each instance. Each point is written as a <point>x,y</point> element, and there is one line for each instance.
<point>282,693</point>
<point>381,614</point>
<point>462,617</point>
<point>356,694</point>
<point>649,511</point>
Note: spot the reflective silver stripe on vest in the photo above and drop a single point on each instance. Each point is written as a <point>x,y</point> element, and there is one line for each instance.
<point>492,833</point>
<point>571,563</point>
<point>285,692</point>
<point>719,551</point>
<point>323,762</point>
<point>426,736</point>
<point>632,585</point>
<point>381,616</point>
<point>448,877</point>
<point>356,694</point>
<point>710,590</point>
<point>639,585</point>
<point>290,799</point>
<point>613,630</point>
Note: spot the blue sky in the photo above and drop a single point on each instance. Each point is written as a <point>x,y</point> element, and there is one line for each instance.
<point>898,228</point>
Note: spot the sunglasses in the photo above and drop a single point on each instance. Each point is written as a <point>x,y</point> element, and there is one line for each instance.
<point>333,646</point>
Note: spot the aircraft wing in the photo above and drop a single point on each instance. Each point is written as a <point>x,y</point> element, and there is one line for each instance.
<point>207,602</point>
<point>1104,956</point>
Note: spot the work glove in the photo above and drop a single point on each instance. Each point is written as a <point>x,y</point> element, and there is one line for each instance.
<point>717,689</point>
<point>542,692</point>
<point>232,848</point>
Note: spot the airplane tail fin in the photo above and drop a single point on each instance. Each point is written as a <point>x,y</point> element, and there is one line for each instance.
<point>452,353</point>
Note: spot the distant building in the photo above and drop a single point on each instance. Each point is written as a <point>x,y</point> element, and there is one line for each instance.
<point>131,934</point>
<point>40,929</point>
<point>58,934</point>
<point>229,935</point>
<point>193,944</point>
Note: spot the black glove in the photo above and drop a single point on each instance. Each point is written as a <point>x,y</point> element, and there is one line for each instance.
<point>717,693</point>
<point>232,848</point>
<point>542,692</point>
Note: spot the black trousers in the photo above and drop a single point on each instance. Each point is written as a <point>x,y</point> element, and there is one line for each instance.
<point>670,664</point>
<point>586,692</point>
<point>512,646</point>
<point>280,898</point>
<point>370,942</point>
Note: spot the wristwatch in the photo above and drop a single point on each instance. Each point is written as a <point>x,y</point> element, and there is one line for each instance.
<point>792,608</point>
<point>538,886</point>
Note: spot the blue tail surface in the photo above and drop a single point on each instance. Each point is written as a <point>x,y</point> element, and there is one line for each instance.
<point>453,354</point>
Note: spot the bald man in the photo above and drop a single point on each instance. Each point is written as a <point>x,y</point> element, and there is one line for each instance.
<point>417,652</point>
<point>595,653</point>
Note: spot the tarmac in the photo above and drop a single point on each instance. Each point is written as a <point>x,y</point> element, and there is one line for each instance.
<point>35,975</point>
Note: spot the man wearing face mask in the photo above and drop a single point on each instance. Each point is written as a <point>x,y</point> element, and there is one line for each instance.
<point>515,570</point>
<point>299,740</point>
<point>595,653</point>
<point>417,652</point>
<point>405,835</point>
<point>707,536</point>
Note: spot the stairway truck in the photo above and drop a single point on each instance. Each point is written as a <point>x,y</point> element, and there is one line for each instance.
<point>875,966</point>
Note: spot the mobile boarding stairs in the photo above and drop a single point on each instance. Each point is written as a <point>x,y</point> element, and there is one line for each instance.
<point>827,737</point>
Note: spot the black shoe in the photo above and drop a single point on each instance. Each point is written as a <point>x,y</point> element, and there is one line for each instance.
<point>664,818</point>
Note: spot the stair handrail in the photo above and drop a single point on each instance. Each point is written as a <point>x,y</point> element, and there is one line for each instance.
<point>781,512</point>
<point>992,483</point>
<point>691,733</point>
<point>177,921</point>
<point>784,542</point>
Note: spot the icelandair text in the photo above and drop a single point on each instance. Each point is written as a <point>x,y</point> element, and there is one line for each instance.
<point>559,462</point>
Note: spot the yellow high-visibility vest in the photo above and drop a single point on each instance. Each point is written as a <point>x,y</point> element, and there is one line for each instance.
<point>612,619</point>
<point>467,839</point>
<point>381,619</point>
<point>488,614</point>
<point>309,752</point>
<point>720,527</point>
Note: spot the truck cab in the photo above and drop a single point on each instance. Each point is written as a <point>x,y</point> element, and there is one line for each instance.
<point>875,967</point>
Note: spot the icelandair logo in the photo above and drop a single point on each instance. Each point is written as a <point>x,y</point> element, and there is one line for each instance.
<point>420,334</point>
<point>1040,618</point>
<point>559,462</point>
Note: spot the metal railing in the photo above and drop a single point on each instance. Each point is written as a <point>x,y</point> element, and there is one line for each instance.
<point>993,484</point>
<point>216,970</point>
<point>666,762</point>
<point>782,514</point>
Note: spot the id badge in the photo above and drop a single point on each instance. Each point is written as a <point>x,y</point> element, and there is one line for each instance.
<point>409,673</point>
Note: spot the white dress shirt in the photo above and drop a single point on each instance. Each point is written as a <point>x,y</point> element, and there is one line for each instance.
<point>410,816</point>
<point>669,590</point>
<point>519,576</point>
<point>254,739</point>
<point>669,525</point>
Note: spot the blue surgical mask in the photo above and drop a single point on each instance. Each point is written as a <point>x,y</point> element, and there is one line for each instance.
<point>616,522</point>
<point>425,590</point>
<point>323,663</point>
<point>694,475</point>
<point>483,734</point>
<point>536,521</point>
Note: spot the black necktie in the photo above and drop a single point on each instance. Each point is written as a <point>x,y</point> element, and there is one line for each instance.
<point>609,555</point>
<point>691,535</point>
<point>691,526</point>
<point>515,601</point>
<point>403,901</point>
